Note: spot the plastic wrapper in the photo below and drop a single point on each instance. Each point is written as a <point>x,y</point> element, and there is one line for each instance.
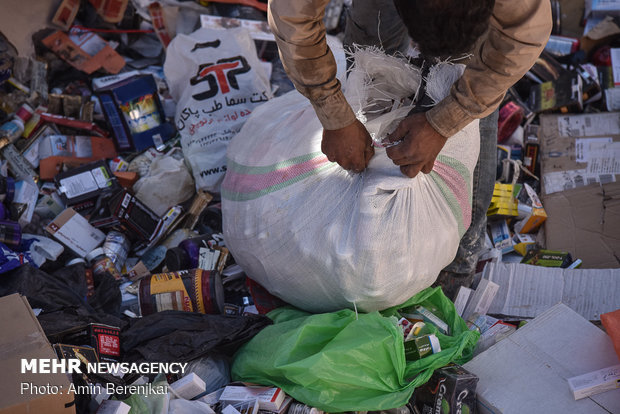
<point>167,184</point>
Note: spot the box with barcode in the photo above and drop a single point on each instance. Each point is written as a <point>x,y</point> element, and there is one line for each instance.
<point>74,231</point>
<point>269,398</point>
<point>83,185</point>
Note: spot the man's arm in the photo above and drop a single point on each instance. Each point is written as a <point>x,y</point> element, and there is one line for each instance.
<point>517,35</point>
<point>519,30</point>
<point>300,34</point>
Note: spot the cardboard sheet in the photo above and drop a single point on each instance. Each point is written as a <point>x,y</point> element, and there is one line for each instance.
<point>528,371</point>
<point>581,186</point>
<point>85,51</point>
<point>24,338</point>
<point>586,222</point>
<point>526,291</point>
<point>577,150</point>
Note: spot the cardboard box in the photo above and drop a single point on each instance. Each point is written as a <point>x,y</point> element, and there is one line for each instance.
<point>135,114</point>
<point>526,291</point>
<point>112,11</point>
<point>586,222</point>
<point>523,243</point>
<point>269,398</point>
<point>548,258</point>
<point>451,389</point>
<point>503,202</point>
<point>596,382</point>
<point>82,185</point>
<point>104,339</point>
<point>499,331</point>
<point>562,95</point>
<point>528,371</point>
<point>24,338</point>
<point>113,407</point>
<point>75,48</point>
<point>482,298</point>
<point>581,190</point>
<point>462,297</point>
<point>55,150</point>
<point>75,232</point>
<point>283,408</point>
<point>535,215</point>
<point>66,13</point>
<point>188,387</point>
<point>243,407</point>
<point>126,213</point>
<point>598,31</point>
<point>500,234</point>
<point>571,150</point>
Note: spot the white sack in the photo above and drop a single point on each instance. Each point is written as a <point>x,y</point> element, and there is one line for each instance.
<point>217,80</point>
<point>322,238</point>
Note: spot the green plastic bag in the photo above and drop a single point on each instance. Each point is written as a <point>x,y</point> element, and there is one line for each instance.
<point>341,361</point>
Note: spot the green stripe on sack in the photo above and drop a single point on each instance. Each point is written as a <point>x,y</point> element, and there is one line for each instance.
<point>246,169</point>
<point>452,201</point>
<point>461,169</point>
<point>239,196</point>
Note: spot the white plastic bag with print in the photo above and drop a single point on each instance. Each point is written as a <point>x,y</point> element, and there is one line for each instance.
<point>322,238</point>
<point>217,81</point>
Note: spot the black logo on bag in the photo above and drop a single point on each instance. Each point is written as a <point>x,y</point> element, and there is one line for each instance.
<point>214,44</point>
<point>221,76</point>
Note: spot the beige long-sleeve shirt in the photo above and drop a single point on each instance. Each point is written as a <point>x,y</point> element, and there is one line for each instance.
<point>518,32</point>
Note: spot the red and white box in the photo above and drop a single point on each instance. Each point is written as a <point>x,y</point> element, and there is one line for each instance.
<point>269,398</point>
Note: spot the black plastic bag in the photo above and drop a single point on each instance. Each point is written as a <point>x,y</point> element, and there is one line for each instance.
<point>45,291</point>
<point>62,297</point>
<point>182,336</point>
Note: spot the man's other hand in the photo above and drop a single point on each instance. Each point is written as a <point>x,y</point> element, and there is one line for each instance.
<point>419,147</point>
<point>351,146</point>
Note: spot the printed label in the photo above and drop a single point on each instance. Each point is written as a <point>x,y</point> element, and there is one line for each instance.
<point>79,184</point>
<point>582,147</point>
<point>589,125</point>
<point>109,344</point>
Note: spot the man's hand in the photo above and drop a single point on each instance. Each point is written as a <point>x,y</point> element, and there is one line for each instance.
<point>419,147</point>
<point>351,146</point>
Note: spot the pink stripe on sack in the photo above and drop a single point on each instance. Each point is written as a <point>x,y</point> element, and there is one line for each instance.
<point>247,183</point>
<point>459,188</point>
